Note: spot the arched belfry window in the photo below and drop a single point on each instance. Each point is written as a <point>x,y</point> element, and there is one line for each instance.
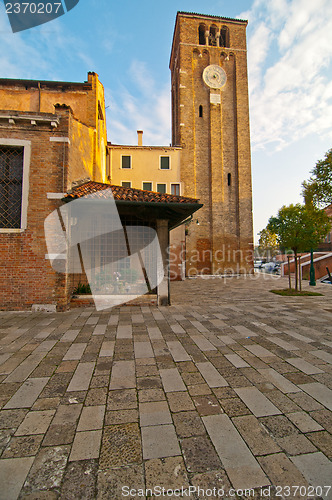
<point>200,111</point>
<point>213,36</point>
<point>201,34</point>
<point>223,38</point>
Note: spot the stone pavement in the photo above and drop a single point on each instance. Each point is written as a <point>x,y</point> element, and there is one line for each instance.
<point>229,388</point>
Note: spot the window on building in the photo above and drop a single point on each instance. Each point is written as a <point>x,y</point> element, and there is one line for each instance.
<point>126,184</point>
<point>161,188</point>
<point>201,34</point>
<point>126,161</point>
<point>11,183</point>
<point>200,112</point>
<point>147,186</point>
<point>229,179</point>
<point>223,38</point>
<point>175,189</point>
<point>164,162</point>
<point>213,36</point>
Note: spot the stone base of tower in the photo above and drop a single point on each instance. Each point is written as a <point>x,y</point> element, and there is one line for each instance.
<point>224,256</point>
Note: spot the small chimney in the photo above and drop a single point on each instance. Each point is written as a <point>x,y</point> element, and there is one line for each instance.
<point>140,137</point>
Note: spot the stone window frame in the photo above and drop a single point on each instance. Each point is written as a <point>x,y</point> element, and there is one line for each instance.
<point>131,162</point>
<point>25,181</point>
<point>126,182</point>
<point>147,182</point>
<point>169,162</point>
<point>162,184</point>
<point>176,184</point>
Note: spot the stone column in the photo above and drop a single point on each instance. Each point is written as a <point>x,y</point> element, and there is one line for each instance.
<point>163,237</point>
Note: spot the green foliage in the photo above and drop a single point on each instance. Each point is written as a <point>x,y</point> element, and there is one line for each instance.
<point>129,275</point>
<point>299,227</point>
<point>268,243</point>
<point>82,289</point>
<point>318,189</point>
<point>291,292</point>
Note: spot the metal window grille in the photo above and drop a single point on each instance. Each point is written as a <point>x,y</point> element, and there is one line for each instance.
<point>11,181</point>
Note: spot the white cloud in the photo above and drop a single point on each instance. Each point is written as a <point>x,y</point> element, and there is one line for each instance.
<point>144,107</point>
<point>289,70</point>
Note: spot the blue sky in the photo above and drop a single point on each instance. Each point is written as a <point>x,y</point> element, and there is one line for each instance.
<point>128,44</point>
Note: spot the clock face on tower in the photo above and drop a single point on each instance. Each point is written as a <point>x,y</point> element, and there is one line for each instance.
<point>214,76</point>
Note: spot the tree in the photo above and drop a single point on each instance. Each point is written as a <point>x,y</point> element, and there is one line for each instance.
<point>318,189</point>
<point>268,243</point>
<point>299,227</point>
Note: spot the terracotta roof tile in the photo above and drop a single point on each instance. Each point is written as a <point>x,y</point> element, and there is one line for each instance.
<point>125,194</point>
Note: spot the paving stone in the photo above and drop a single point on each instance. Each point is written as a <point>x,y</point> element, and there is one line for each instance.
<point>211,375</point>
<point>236,360</point>
<point>316,468</point>
<point>177,351</point>
<point>143,350</point>
<point>154,413</point>
<point>325,356</point>
<point>86,445</point>
<point>224,392</point>
<point>154,332</point>
<point>279,381</point>
<point>149,383</point>
<point>172,380</point>
<point>107,348</point>
<point>57,385</point>
<point>240,465</point>
<point>148,395</point>
<point>207,405</point>
<point>304,422</point>
<point>211,483</point>
<point>122,399</point>
<point>47,470</point>
<point>75,351</point>
<point>180,401</point>
<point>199,454</point>
<point>281,470</point>
<point>81,378</point>
<point>199,390</point>
<point>26,368</point>
<point>169,473</point>
<point>25,446</point>
<point>202,343</point>
<point>257,402</point>
<point>69,336</point>
<point>324,418</point>
<point>188,424</point>
<point>159,441</point>
<point>259,351</point>
<point>121,445</point>
<point>255,435</point>
<point>121,417</point>
<point>67,366</point>
<point>79,480</point>
<point>59,434</point>
<point>296,444</point>
<point>13,472</point>
<point>67,414</point>
<point>124,332</point>
<point>282,343</point>
<point>27,393</point>
<point>319,392</point>
<point>117,483</point>
<point>11,418</point>
<point>304,366</point>
<point>123,375</point>
<point>73,398</point>
<point>298,378</point>
<point>323,441</point>
<point>36,422</point>
<point>92,418</point>
<point>146,370</point>
<point>244,331</point>
<point>97,396</point>
<point>234,407</point>
<point>306,402</point>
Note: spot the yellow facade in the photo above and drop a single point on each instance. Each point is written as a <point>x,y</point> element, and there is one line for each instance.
<point>145,167</point>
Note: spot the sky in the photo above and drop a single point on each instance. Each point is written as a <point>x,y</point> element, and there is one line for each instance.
<point>128,44</point>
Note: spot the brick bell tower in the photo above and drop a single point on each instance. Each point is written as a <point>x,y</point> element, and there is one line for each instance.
<point>210,121</point>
